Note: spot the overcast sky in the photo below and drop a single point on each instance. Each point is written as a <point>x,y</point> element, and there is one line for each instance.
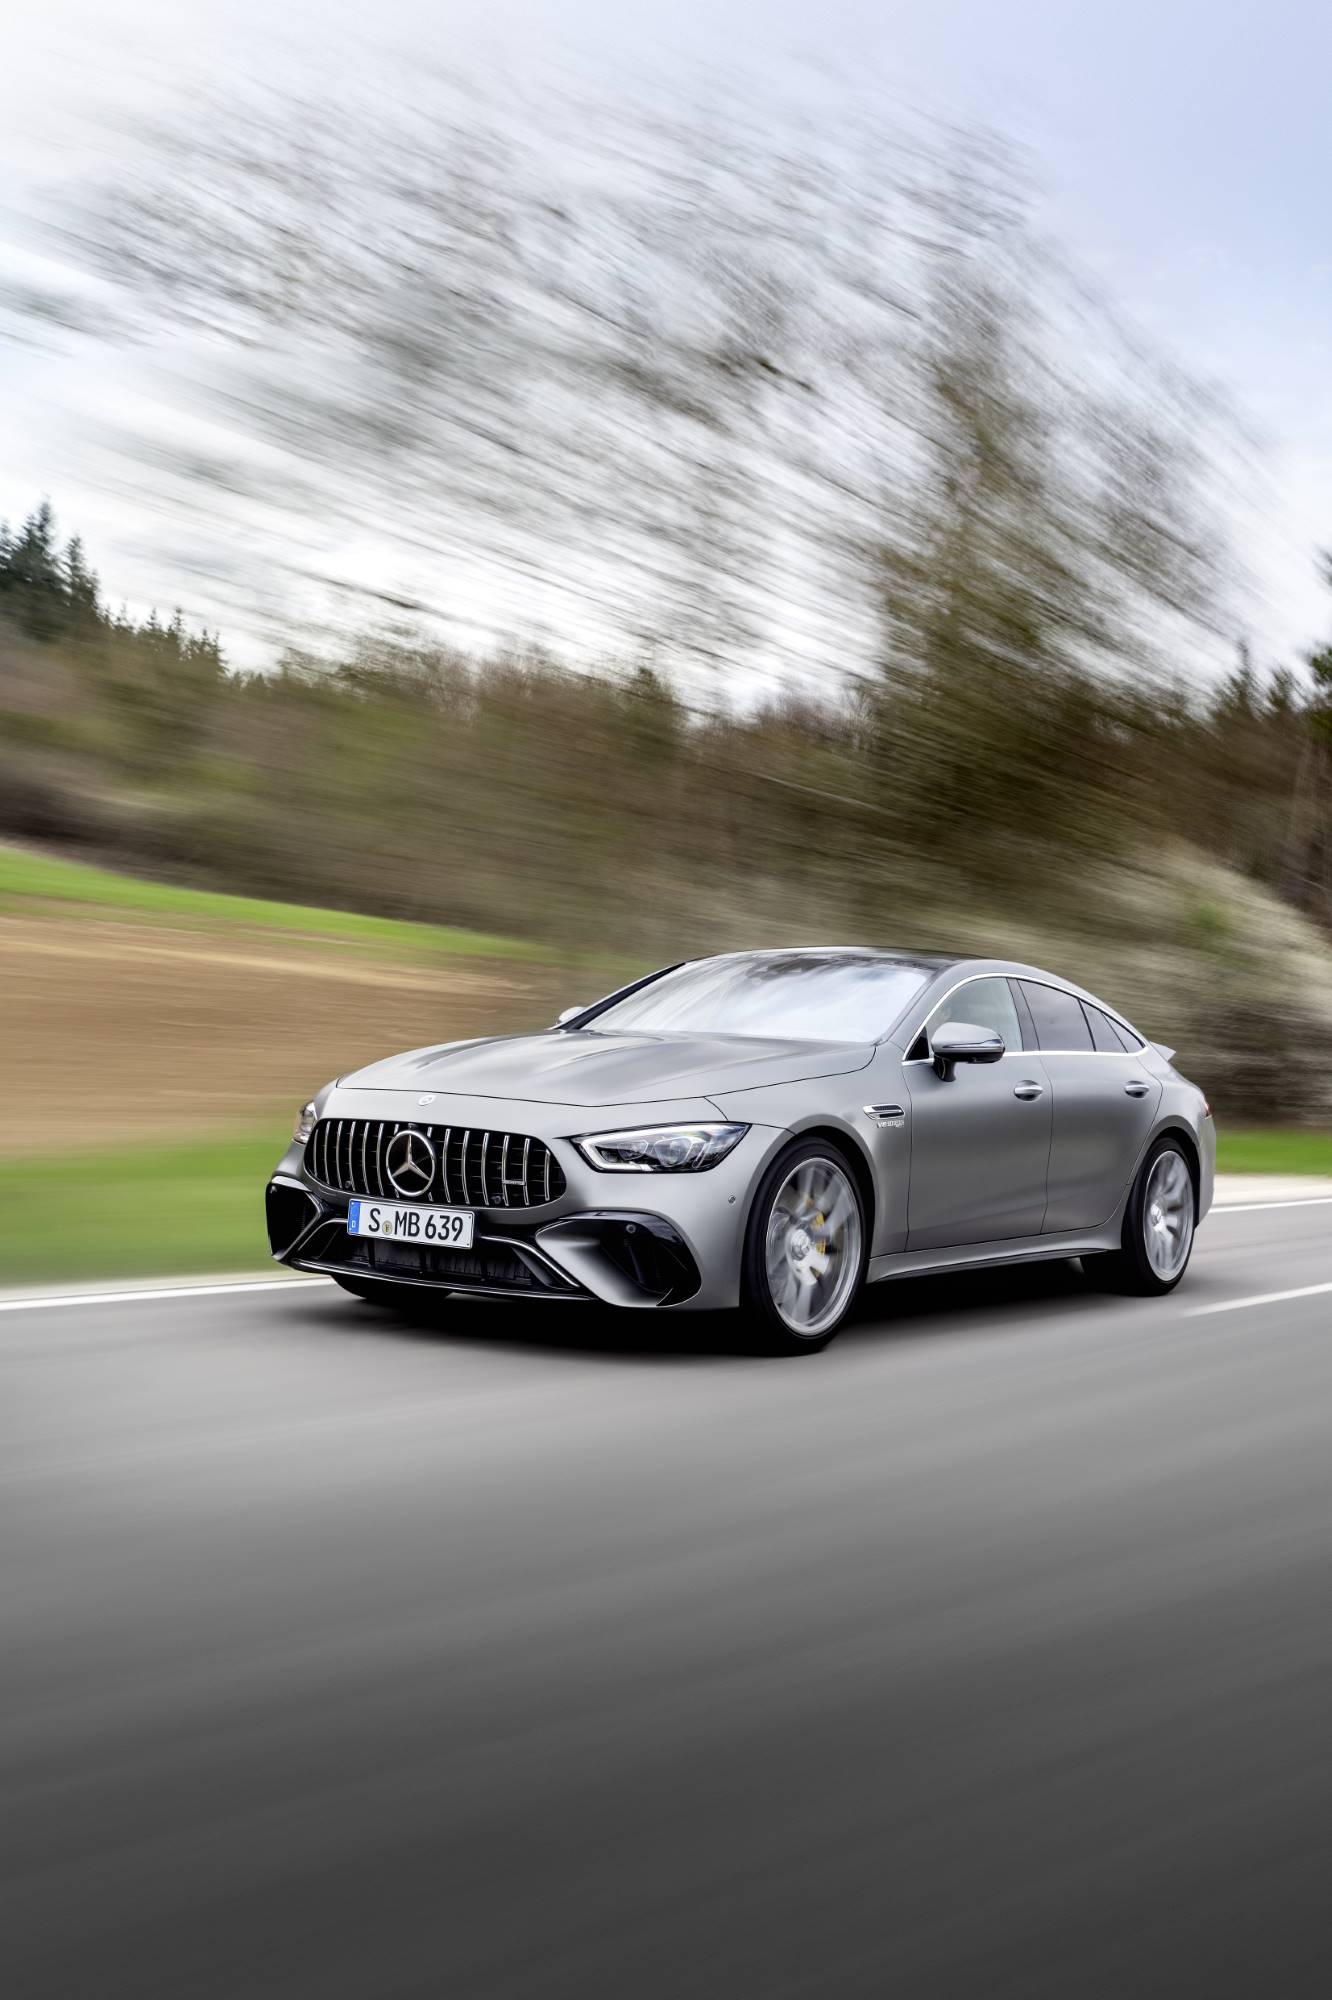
<point>1183,147</point>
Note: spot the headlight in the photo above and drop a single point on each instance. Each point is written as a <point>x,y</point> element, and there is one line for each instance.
<point>660,1149</point>
<point>305,1124</point>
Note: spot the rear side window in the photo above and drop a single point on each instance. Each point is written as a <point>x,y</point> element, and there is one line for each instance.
<point>1060,1021</point>
<point>1104,1034</point>
<point>1127,1039</point>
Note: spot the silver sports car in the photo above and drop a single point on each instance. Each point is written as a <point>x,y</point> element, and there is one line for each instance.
<point>766,1130</point>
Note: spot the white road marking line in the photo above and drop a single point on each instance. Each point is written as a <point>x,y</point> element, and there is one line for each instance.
<point>43,1303</point>
<point>1250,1207</point>
<point>1259,1299</point>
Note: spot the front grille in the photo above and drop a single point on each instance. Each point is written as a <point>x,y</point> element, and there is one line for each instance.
<point>473,1168</point>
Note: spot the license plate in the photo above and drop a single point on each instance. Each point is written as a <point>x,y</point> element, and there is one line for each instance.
<point>451,1228</point>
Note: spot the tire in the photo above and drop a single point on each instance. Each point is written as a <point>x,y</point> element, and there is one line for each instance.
<point>786,1263</point>
<point>1160,1220</point>
<point>415,1301</point>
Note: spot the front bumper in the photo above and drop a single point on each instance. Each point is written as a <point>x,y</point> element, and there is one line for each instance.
<point>630,1240</point>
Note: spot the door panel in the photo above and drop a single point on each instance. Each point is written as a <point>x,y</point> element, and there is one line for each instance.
<point>1099,1131</point>
<point>979,1154</point>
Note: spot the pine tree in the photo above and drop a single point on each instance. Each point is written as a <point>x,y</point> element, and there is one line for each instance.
<point>80,584</point>
<point>35,584</point>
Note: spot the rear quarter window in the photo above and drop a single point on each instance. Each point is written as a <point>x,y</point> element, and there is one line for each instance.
<point>1105,1036</point>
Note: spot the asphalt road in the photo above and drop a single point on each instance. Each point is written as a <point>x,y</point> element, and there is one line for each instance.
<point>989,1653</point>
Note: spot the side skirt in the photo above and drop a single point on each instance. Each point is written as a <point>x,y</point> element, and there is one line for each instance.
<point>982,1256</point>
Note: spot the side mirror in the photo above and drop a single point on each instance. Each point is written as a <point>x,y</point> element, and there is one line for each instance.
<point>961,1041</point>
<point>570,1014</point>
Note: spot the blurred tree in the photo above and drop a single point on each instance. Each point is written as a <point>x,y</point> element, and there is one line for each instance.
<point>80,586</point>
<point>1024,611</point>
<point>640,377</point>
<point>32,582</point>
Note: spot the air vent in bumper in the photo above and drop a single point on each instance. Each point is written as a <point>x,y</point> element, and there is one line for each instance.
<point>494,1264</point>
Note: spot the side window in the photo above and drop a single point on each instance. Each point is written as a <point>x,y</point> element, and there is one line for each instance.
<point>1060,1021</point>
<point>1103,1030</point>
<point>1127,1039</point>
<point>985,1003</point>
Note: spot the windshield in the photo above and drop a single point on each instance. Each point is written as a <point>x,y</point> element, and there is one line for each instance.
<point>801,995</point>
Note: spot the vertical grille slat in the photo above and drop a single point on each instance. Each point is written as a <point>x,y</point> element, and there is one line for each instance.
<point>473,1167</point>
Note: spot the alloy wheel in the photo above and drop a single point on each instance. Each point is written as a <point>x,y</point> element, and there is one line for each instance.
<point>1167,1215</point>
<point>812,1246</point>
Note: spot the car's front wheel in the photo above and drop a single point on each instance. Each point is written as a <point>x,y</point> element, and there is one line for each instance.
<point>1159,1222</point>
<point>806,1248</point>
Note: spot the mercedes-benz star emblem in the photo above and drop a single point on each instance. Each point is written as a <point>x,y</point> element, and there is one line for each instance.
<point>410,1160</point>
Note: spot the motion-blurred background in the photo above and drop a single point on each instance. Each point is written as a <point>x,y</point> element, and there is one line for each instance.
<point>497,504</point>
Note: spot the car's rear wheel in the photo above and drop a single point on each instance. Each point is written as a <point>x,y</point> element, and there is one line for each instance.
<point>415,1299</point>
<point>1159,1224</point>
<point>806,1248</point>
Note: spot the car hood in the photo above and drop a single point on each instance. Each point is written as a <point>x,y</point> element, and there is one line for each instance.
<point>586,1068</point>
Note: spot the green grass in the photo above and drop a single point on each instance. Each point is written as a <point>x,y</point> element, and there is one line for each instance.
<point>1273,1152</point>
<point>26,879</point>
<point>142,1211</point>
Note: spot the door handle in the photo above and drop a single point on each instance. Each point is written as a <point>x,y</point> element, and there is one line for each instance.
<point>1028,1092</point>
<point>1135,1087</point>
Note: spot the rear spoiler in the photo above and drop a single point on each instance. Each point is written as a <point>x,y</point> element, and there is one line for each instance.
<point>1162,1050</point>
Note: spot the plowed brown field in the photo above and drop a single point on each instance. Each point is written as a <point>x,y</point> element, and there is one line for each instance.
<point>114,1031</point>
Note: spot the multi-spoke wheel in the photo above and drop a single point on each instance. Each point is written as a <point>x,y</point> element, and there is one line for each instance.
<point>1167,1216</point>
<point>806,1247</point>
<point>1158,1224</point>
